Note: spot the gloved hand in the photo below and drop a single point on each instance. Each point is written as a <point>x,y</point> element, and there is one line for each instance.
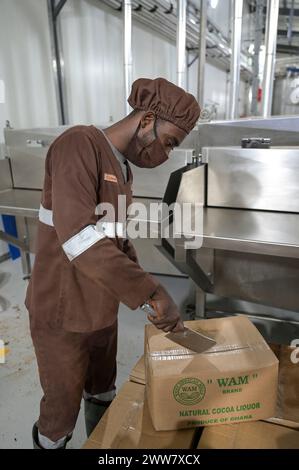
<point>168,316</point>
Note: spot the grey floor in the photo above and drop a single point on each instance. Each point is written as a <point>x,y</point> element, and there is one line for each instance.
<point>20,390</point>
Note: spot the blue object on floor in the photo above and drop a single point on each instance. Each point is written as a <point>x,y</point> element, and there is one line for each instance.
<point>9,224</point>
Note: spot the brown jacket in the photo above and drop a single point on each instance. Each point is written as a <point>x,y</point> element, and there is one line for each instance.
<point>80,275</point>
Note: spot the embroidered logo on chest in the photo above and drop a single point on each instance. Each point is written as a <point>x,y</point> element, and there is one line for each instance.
<point>110,178</point>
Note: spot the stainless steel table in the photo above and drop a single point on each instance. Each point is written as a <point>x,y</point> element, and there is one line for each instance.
<point>24,205</point>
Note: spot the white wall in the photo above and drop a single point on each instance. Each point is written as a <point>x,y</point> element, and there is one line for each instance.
<point>92,39</point>
<point>25,63</point>
<point>153,55</point>
<point>215,89</point>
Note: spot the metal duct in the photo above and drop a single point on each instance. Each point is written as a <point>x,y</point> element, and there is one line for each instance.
<point>128,61</point>
<point>181,42</point>
<point>237,8</point>
<point>269,69</point>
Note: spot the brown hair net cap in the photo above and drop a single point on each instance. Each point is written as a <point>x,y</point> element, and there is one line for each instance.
<point>166,100</point>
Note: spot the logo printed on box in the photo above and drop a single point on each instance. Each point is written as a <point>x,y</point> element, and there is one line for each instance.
<point>189,391</point>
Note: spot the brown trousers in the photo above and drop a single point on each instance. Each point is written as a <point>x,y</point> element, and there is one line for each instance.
<point>68,364</point>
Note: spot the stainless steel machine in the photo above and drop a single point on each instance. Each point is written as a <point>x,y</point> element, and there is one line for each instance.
<point>249,258</point>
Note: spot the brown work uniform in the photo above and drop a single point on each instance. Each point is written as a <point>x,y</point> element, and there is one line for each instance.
<point>82,270</point>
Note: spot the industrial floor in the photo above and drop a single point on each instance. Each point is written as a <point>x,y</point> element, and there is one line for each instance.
<point>20,390</point>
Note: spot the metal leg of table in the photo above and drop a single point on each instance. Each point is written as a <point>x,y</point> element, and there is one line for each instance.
<point>4,257</point>
<point>200,303</point>
<point>23,234</point>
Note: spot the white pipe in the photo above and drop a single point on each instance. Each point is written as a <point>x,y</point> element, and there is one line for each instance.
<point>166,25</point>
<point>202,52</point>
<point>270,51</point>
<point>181,42</point>
<point>128,60</point>
<point>234,88</point>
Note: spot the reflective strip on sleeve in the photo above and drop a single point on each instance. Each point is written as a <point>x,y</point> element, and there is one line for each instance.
<point>112,229</point>
<point>87,237</point>
<point>45,216</point>
<point>82,241</point>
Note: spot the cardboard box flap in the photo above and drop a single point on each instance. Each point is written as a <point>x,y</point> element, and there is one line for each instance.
<point>137,374</point>
<point>256,435</point>
<point>288,383</point>
<point>236,337</point>
<point>127,425</point>
<point>230,334</point>
<point>119,416</point>
<point>283,422</point>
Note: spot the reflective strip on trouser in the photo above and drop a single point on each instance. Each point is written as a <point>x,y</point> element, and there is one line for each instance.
<point>46,443</point>
<point>87,236</point>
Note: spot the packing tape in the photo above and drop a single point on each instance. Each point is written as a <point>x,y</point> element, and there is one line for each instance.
<point>182,353</point>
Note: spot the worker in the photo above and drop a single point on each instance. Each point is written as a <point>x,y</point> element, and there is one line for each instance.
<point>83,270</point>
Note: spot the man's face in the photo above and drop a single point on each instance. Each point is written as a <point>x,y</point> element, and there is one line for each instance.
<point>169,134</point>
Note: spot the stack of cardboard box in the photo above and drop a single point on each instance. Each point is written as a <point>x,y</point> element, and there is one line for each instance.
<point>251,435</point>
<point>240,370</point>
<point>127,423</point>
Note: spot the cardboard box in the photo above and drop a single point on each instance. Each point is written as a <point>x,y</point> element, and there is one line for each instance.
<point>287,407</point>
<point>257,435</point>
<point>235,381</point>
<point>127,423</point>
